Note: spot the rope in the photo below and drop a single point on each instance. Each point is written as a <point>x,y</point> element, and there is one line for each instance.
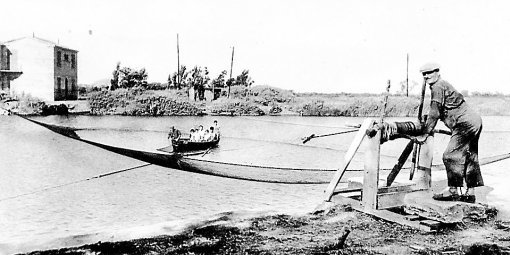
<point>349,129</point>
<point>290,123</point>
<point>282,168</point>
<point>490,160</point>
<point>73,182</point>
<point>306,139</point>
<point>297,144</point>
<point>263,180</point>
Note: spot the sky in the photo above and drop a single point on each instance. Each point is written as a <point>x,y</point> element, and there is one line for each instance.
<point>326,46</point>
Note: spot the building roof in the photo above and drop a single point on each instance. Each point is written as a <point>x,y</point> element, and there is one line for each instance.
<point>48,42</point>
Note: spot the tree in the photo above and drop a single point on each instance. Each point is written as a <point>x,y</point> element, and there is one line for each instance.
<point>219,82</point>
<point>403,87</point>
<point>130,78</point>
<point>198,79</point>
<point>126,77</point>
<point>115,80</point>
<point>173,78</point>
<point>169,81</point>
<point>244,79</point>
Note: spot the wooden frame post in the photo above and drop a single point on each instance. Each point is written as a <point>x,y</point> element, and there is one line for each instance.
<point>347,158</point>
<point>371,172</point>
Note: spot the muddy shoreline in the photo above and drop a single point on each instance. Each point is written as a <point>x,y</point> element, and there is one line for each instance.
<point>319,233</point>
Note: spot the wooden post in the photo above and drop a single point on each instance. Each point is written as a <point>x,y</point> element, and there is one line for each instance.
<point>423,171</point>
<point>422,99</point>
<point>407,76</point>
<point>371,174</point>
<point>178,66</point>
<point>347,158</point>
<point>231,66</point>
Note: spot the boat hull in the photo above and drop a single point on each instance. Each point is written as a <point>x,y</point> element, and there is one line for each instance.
<point>185,145</point>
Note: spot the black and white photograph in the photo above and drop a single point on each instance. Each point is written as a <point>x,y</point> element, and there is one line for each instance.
<point>254,127</point>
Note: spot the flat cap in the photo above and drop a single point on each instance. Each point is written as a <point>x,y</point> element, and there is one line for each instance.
<point>429,67</point>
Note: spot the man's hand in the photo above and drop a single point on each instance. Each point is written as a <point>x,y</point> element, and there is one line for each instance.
<point>371,132</point>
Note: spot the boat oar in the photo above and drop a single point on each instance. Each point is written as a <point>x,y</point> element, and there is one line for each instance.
<point>308,138</point>
<point>207,151</point>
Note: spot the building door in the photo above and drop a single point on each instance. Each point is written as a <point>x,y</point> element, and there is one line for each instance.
<point>66,82</point>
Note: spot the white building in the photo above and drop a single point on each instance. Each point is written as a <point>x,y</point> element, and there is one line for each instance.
<point>50,71</point>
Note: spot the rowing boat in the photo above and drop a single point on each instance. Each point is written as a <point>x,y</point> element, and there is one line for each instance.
<point>184,145</point>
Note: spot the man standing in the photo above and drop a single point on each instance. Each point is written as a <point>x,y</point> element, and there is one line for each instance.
<point>174,134</point>
<point>461,154</point>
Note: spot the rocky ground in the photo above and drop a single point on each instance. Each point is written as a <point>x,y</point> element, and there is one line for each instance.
<point>339,230</point>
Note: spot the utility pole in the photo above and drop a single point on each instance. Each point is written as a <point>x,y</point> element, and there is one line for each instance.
<point>407,76</point>
<point>178,65</point>
<point>231,65</point>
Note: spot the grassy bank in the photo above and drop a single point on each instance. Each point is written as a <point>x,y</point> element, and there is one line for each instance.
<point>263,100</point>
<point>260,100</point>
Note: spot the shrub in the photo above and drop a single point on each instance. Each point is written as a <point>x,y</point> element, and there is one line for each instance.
<point>139,102</point>
<point>235,107</point>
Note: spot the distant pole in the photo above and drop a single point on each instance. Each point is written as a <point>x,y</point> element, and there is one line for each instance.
<point>407,76</point>
<point>178,65</point>
<point>231,65</point>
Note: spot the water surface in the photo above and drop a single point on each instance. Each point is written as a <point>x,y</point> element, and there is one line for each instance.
<point>154,200</point>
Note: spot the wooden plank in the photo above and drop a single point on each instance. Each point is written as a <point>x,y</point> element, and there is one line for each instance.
<point>371,173</point>
<point>396,218</point>
<point>412,217</point>
<point>347,158</point>
<point>400,188</point>
<point>381,214</point>
<point>390,200</point>
<point>355,204</point>
<point>432,224</point>
<point>346,190</point>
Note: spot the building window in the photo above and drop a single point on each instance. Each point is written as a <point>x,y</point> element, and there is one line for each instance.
<point>59,82</point>
<point>66,57</point>
<point>73,61</point>
<point>8,57</point>
<point>59,58</point>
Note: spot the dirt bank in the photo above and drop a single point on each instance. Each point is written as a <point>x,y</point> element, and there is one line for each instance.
<point>312,234</point>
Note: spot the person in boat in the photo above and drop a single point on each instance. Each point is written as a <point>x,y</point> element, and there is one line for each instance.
<point>192,135</point>
<point>207,136</point>
<point>174,133</point>
<point>461,155</point>
<point>200,133</point>
<point>216,128</point>
<point>213,133</point>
